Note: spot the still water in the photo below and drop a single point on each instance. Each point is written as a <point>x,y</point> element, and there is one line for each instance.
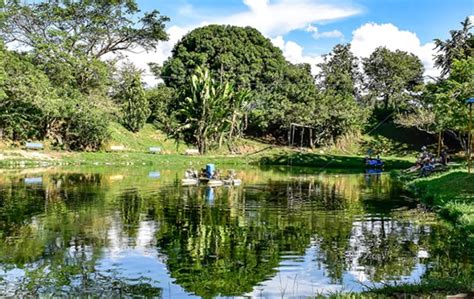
<point>285,232</point>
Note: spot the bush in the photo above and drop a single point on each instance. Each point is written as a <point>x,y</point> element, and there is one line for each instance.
<point>160,99</point>
<point>132,99</point>
<point>87,129</point>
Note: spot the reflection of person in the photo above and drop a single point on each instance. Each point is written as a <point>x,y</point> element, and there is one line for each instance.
<point>372,176</point>
<point>210,194</point>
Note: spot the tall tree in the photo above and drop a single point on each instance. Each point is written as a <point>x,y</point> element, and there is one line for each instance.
<point>131,96</point>
<point>459,46</point>
<point>340,72</point>
<point>391,77</point>
<point>339,80</point>
<point>92,27</point>
<point>159,99</point>
<point>70,39</point>
<point>241,56</point>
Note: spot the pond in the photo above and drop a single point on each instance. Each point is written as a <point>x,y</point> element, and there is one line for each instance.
<point>283,233</point>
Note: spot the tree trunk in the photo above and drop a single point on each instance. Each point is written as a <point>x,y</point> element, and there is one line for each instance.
<point>302,136</point>
<point>459,138</point>
<point>221,139</point>
<point>439,143</point>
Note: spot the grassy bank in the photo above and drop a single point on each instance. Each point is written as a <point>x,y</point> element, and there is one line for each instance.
<point>136,147</point>
<point>451,194</point>
<point>272,156</point>
<point>430,288</point>
<point>282,157</point>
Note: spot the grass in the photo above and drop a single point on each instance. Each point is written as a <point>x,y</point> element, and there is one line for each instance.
<point>429,288</point>
<point>148,137</point>
<point>282,157</point>
<point>136,145</point>
<point>451,194</point>
<point>136,158</point>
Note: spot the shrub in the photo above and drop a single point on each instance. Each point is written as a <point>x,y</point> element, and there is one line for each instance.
<point>87,129</point>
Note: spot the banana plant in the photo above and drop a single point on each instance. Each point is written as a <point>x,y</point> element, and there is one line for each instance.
<point>213,112</point>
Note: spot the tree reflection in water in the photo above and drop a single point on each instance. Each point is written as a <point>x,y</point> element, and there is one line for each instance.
<point>69,236</point>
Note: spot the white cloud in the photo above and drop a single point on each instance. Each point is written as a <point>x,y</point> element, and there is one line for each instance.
<point>257,5</point>
<point>284,16</point>
<point>186,10</point>
<point>327,34</point>
<point>294,53</point>
<point>369,36</point>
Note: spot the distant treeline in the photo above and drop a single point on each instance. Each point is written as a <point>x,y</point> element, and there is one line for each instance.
<point>222,82</point>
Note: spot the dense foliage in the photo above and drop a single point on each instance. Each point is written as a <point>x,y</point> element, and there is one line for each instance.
<point>392,77</point>
<point>442,108</point>
<point>241,56</point>
<point>159,100</point>
<point>221,82</point>
<point>62,88</point>
<point>132,99</point>
<point>459,46</point>
<point>282,93</point>
<point>213,112</point>
<point>339,80</point>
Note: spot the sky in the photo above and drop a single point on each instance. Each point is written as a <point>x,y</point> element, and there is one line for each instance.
<point>307,29</point>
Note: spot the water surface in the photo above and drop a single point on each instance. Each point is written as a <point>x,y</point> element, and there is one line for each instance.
<point>284,233</point>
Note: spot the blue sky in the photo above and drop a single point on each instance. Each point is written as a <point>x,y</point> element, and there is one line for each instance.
<point>307,29</point>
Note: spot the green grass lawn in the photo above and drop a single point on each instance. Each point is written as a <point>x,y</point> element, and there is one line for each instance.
<point>281,157</point>
<point>451,193</point>
<point>244,151</point>
<point>148,137</point>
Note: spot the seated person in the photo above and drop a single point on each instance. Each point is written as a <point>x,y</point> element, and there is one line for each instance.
<point>443,158</point>
<point>215,175</point>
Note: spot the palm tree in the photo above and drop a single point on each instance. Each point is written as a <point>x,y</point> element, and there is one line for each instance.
<point>459,46</point>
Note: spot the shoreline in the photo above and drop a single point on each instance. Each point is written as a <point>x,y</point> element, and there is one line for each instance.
<point>278,157</point>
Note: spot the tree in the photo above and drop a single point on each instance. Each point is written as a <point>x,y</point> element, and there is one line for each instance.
<point>391,77</point>
<point>131,97</point>
<point>29,104</point>
<point>31,108</point>
<point>459,46</point>
<point>69,40</point>
<point>243,57</point>
<point>94,28</point>
<point>212,113</point>
<point>87,128</point>
<point>292,99</point>
<point>159,99</point>
<point>442,106</point>
<point>340,72</point>
<point>240,56</point>
<point>339,80</point>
